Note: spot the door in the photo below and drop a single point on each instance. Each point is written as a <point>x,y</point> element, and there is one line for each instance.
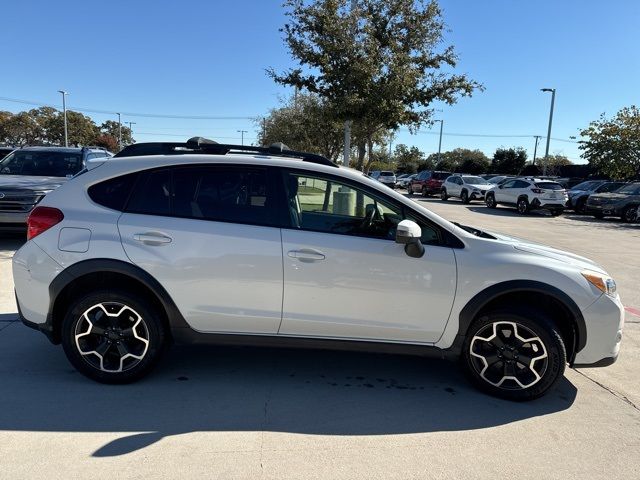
<point>344,275</point>
<point>206,234</point>
<point>503,192</point>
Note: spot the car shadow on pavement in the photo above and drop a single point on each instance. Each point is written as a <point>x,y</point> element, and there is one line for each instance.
<point>197,389</point>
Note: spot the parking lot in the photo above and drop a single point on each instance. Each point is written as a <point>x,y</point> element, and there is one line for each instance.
<point>250,413</point>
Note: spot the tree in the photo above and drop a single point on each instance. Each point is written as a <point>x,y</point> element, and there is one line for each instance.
<point>21,129</point>
<point>407,159</point>
<point>613,145</point>
<point>111,128</point>
<point>305,124</point>
<point>378,65</point>
<point>509,161</point>
<point>555,163</point>
<point>107,141</point>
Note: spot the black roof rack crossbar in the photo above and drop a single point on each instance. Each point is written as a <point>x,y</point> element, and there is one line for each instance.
<point>206,146</point>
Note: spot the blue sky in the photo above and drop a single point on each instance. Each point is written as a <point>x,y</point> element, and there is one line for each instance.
<point>208,58</point>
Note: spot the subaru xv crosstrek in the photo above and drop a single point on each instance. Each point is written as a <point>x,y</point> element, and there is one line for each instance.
<point>201,242</point>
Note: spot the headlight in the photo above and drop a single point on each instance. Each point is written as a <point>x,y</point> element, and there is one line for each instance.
<point>604,283</point>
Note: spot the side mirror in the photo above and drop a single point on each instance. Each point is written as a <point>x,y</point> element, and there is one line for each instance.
<point>408,233</point>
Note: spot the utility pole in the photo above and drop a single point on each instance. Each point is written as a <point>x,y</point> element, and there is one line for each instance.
<point>535,149</point>
<point>242,132</point>
<point>64,112</point>
<point>546,152</point>
<point>440,141</point>
<point>131,128</point>
<point>119,131</point>
<point>347,124</point>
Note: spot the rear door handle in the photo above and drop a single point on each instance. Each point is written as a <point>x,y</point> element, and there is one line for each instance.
<point>152,238</point>
<point>306,255</point>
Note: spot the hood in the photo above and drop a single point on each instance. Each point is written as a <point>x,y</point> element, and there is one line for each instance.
<point>25,182</point>
<point>550,252</point>
<point>610,196</point>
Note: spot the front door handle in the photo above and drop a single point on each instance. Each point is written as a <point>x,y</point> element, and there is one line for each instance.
<point>152,238</point>
<point>306,255</point>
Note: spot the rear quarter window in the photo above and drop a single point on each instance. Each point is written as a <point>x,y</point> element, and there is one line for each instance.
<point>113,193</point>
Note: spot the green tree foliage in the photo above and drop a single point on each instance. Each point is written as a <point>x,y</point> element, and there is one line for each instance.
<point>45,126</point>
<point>461,160</point>
<point>380,65</point>
<point>554,164</point>
<point>111,129</point>
<point>509,161</point>
<point>407,159</point>
<point>305,124</point>
<point>613,145</point>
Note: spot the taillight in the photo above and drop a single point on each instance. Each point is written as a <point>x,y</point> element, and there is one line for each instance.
<point>536,190</point>
<point>42,219</point>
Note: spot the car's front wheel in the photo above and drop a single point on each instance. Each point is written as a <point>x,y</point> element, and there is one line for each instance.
<point>464,196</point>
<point>490,200</point>
<point>514,354</point>
<point>443,195</point>
<point>113,337</point>
<point>629,214</point>
<point>523,206</point>
<point>409,192</point>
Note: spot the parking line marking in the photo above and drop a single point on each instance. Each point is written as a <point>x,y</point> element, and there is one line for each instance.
<point>633,311</point>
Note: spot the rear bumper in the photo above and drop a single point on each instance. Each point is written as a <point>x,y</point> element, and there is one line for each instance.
<point>14,221</point>
<point>548,204</point>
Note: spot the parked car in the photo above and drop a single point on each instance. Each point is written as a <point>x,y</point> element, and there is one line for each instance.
<point>427,182</point>
<point>622,203</point>
<point>386,177</point>
<point>578,195</point>
<point>569,182</point>
<point>4,151</point>
<point>528,194</point>
<point>242,245</point>
<point>465,187</point>
<point>500,179</point>
<point>488,176</point>
<point>405,181</point>
<point>28,174</point>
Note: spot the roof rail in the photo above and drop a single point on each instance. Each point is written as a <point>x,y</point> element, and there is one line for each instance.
<point>210,147</point>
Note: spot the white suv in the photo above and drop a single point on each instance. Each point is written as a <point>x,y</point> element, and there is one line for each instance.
<point>528,194</point>
<point>200,242</point>
<point>465,187</point>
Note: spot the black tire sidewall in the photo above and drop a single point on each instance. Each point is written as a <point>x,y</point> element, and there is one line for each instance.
<point>464,196</point>
<point>629,214</point>
<point>492,203</point>
<point>544,328</point>
<point>157,336</point>
<point>526,210</point>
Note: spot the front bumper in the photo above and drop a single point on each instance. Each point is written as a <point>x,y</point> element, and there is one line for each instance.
<point>477,195</point>
<point>604,209</point>
<point>604,320</point>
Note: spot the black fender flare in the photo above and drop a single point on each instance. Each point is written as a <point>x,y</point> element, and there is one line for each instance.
<point>475,305</point>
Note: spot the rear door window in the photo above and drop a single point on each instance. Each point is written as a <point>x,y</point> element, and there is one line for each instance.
<point>152,194</point>
<point>113,193</point>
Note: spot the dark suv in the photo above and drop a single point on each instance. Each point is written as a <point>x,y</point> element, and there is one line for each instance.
<point>427,182</point>
<point>4,151</point>
<point>579,194</point>
<point>29,173</point>
<point>622,203</point>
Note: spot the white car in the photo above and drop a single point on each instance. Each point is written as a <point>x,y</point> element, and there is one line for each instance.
<point>528,194</point>
<point>403,181</point>
<point>201,242</point>
<point>465,187</point>
<point>386,177</point>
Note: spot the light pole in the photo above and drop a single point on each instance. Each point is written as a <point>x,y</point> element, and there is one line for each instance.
<point>242,132</point>
<point>440,141</point>
<point>119,132</point>
<point>546,152</point>
<point>64,113</point>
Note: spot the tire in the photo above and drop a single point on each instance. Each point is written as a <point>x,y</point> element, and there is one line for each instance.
<point>556,212</point>
<point>425,192</point>
<point>523,206</point>
<point>629,214</point>
<point>598,215</point>
<point>490,201</point>
<point>113,348</point>
<point>580,206</point>
<point>409,192</point>
<point>443,195</point>
<point>489,363</point>
<point>464,196</point>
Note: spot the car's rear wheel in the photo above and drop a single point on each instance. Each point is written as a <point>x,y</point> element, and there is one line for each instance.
<point>409,192</point>
<point>629,214</point>
<point>514,354</point>
<point>443,195</point>
<point>598,215</point>
<point>523,206</point>
<point>490,200</point>
<point>112,336</point>
<point>425,192</point>
<point>464,196</point>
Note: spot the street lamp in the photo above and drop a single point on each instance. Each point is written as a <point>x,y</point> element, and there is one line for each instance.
<point>131,128</point>
<point>64,112</point>
<point>242,132</point>
<point>546,153</point>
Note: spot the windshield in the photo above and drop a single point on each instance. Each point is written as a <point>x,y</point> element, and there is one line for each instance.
<point>41,163</point>
<point>386,174</point>
<point>474,180</point>
<point>586,185</point>
<point>633,189</point>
